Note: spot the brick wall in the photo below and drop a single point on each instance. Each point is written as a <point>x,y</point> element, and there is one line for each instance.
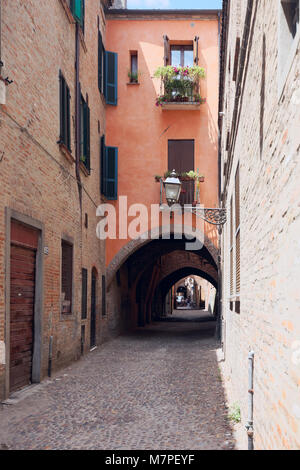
<point>267,149</point>
<point>36,178</point>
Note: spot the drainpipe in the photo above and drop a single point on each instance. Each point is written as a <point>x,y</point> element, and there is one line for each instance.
<point>50,356</point>
<point>249,425</point>
<point>1,63</point>
<point>77,113</point>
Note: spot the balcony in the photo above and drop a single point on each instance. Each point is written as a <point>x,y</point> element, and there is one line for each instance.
<point>180,88</point>
<point>190,190</point>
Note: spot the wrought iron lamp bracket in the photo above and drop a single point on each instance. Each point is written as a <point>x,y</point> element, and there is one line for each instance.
<point>214,216</point>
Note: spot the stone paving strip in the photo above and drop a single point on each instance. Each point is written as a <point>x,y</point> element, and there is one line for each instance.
<point>156,389</point>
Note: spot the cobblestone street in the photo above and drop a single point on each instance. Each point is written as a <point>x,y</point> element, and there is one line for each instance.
<point>158,388</point>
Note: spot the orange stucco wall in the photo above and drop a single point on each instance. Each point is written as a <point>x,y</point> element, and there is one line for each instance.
<point>141,130</point>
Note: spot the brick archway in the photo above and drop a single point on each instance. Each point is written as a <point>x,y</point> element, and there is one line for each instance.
<point>134,245</point>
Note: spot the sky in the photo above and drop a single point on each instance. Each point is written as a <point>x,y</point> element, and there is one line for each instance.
<point>174,4</point>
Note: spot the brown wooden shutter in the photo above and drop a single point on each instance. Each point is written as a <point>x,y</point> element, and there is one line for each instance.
<point>231,247</point>
<point>238,275</point>
<point>166,51</point>
<point>237,198</point>
<point>236,58</point>
<point>237,229</point>
<point>196,50</point>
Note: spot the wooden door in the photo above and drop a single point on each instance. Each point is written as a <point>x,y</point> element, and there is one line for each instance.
<point>22,295</point>
<point>24,242</point>
<point>181,157</point>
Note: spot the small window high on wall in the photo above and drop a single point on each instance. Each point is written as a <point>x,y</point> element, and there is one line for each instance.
<point>133,72</point>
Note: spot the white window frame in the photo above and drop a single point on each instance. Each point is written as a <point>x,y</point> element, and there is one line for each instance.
<point>283,72</point>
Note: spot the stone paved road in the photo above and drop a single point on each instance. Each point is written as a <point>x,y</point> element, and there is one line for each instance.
<point>158,388</point>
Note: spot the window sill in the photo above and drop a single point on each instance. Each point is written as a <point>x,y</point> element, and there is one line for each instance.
<point>66,152</point>
<point>182,106</point>
<point>133,83</point>
<point>67,316</point>
<point>84,169</point>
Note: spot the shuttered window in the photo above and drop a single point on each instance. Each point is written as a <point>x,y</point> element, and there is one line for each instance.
<point>65,121</point>
<point>77,8</point>
<point>84,277</point>
<point>111,78</point>
<point>66,276</point>
<point>231,248</point>
<point>109,171</point>
<point>102,164</point>
<point>237,230</point>
<point>101,63</point>
<point>85,134</point>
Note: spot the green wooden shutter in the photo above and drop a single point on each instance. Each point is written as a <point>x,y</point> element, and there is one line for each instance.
<point>100,62</point>
<point>111,173</point>
<point>64,112</point>
<point>68,119</point>
<point>77,9</point>
<point>111,78</point>
<point>102,164</point>
<point>88,138</point>
<point>61,106</point>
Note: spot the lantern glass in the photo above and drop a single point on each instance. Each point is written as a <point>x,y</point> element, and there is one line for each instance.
<point>172,188</point>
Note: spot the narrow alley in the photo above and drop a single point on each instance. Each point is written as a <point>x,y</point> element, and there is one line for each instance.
<point>158,388</point>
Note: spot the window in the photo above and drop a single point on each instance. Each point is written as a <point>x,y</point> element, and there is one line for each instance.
<point>133,73</point>
<point>181,158</point>
<point>111,78</point>
<point>231,248</point>
<point>77,8</point>
<point>84,278</point>
<point>101,63</point>
<point>237,232</point>
<point>289,33</point>
<point>182,56</point>
<point>235,245</point>
<point>85,134</point>
<point>66,277</point>
<point>65,122</point>
<point>291,14</point>
<point>109,171</point>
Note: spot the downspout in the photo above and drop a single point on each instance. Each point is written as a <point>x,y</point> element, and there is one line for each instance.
<point>77,113</point>
<point>1,63</point>
<point>249,425</point>
<point>219,294</point>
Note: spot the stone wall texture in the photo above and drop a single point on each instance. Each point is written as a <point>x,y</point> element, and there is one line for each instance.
<point>267,150</point>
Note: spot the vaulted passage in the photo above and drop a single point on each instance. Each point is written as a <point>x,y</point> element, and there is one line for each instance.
<point>143,282</point>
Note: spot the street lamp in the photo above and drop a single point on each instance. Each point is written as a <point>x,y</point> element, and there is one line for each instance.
<point>172,187</point>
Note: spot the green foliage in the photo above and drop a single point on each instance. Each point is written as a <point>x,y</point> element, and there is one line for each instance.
<point>235,413</point>
<point>169,72</point>
<point>133,77</point>
<point>191,175</point>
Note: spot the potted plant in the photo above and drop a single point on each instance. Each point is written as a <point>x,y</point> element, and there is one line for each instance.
<point>133,76</point>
